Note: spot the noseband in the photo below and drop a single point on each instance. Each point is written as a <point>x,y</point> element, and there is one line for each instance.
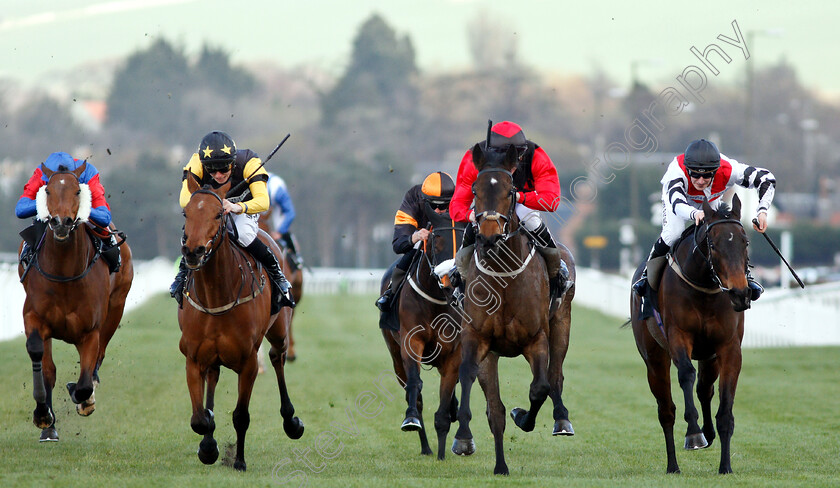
<point>708,258</point>
<point>211,244</point>
<point>493,215</point>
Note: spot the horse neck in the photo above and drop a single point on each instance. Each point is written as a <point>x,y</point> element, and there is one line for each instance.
<point>68,258</point>
<point>689,255</point>
<point>222,268</point>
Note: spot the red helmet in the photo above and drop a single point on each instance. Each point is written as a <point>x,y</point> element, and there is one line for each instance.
<point>507,133</point>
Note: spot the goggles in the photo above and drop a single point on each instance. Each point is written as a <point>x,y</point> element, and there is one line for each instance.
<point>701,174</point>
<point>217,166</point>
<point>439,204</point>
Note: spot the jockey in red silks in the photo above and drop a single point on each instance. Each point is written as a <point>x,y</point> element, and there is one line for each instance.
<point>93,207</point>
<point>703,172</point>
<point>538,190</point>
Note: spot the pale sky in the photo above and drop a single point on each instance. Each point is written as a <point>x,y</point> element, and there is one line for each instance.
<point>555,37</point>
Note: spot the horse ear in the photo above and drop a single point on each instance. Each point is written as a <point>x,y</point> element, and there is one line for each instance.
<point>707,209</point>
<point>192,182</point>
<point>47,172</point>
<point>736,207</point>
<point>511,158</point>
<point>478,157</point>
<point>81,169</point>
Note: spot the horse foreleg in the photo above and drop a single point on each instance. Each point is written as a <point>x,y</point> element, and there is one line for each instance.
<point>471,354</point>
<point>241,415</point>
<point>730,369</point>
<point>557,348</point>
<point>488,378</point>
<point>82,392</point>
<point>707,374</point>
<point>659,380</point>
<point>292,425</point>
<point>412,354</point>
<point>443,417</point>
<point>537,356</point>
<point>686,374</point>
<point>42,417</point>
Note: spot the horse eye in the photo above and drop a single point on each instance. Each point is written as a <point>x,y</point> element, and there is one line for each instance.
<point>220,215</point>
<point>78,192</point>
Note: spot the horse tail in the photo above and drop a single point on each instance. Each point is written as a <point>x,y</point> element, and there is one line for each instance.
<point>625,324</point>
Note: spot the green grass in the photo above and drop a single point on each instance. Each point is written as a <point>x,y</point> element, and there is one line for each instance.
<point>785,416</point>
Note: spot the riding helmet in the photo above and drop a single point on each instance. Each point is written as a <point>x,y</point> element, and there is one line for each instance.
<point>702,156</point>
<point>217,151</point>
<point>438,187</point>
<point>507,133</point>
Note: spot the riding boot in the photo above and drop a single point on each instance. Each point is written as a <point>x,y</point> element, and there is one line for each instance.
<point>176,290</point>
<point>111,253</point>
<point>25,254</point>
<point>558,272</point>
<point>659,250</point>
<point>385,301</point>
<point>280,286</point>
<point>755,287</point>
<point>288,241</point>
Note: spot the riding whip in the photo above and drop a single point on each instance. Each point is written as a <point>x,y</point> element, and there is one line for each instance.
<point>244,181</point>
<point>769,241</point>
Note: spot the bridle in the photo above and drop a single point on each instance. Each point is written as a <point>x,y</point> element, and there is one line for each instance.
<point>495,216</point>
<point>211,245</point>
<point>54,221</point>
<point>708,258</point>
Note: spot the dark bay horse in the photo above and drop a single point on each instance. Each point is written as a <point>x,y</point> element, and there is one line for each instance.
<point>70,296</point>
<point>702,298</point>
<point>429,334</point>
<point>294,273</point>
<point>507,308</point>
<point>224,320</point>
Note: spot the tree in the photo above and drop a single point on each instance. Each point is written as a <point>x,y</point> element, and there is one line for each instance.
<point>214,71</point>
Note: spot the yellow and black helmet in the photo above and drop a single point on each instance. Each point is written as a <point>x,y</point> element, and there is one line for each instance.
<point>217,151</point>
<point>437,189</point>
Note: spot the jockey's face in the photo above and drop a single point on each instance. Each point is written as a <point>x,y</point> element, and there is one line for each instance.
<point>221,176</point>
<point>702,183</point>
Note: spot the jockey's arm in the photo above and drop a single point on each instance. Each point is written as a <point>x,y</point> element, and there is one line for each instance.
<point>546,194</point>
<point>257,178</point>
<point>193,166</point>
<point>462,198</point>
<point>284,201</point>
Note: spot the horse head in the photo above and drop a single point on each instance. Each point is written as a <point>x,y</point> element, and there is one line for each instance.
<point>495,196</point>
<point>205,222</point>
<point>63,202</point>
<point>726,251</point>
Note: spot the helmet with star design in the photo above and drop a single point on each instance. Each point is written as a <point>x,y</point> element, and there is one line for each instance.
<point>217,152</point>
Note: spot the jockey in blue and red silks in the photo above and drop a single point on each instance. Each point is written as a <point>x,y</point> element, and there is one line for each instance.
<point>93,206</point>
<point>538,189</point>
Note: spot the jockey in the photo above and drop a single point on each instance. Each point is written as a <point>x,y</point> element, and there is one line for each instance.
<point>216,162</point>
<point>702,171</point>
<point>34,193</point>
<point>283,212</point>
<point>411,226</point>
<point>538,189</point>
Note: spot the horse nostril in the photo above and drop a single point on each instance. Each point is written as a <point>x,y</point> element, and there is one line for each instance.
<point>54,221</point>
<point>184,250</point>
<point>68,221</point>
<point>200,250</point>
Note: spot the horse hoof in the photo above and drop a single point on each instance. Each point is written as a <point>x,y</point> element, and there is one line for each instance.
<point>85,409</point>
<point>463,447</point>
<point>49,434</point>
<point>293,428</point>
<point>239,465</point>
<point>563,427</point>
<point>695,441</point>
<point>291,357</point>
<point>208,451</point>
<point>501,469</point>
<point>42,416</point>
<point>411,424</point>
<point>520,417</point>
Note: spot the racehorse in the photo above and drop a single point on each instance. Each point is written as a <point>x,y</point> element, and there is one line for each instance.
<point>71,295</point>
<point>702,298</point>
<point>293,272</point>
<point>225,319</point>
<point>507,308</point>
<point>428,334</point>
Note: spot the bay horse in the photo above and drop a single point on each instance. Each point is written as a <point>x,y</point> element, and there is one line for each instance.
<point>429,332</point>
<point>702,298</point>
<point>71,295</point>
<point>293,272</point>
<point>226,317</point>
<point>507,308</point>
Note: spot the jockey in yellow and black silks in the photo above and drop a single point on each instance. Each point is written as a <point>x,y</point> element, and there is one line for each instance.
<point>216,162</point>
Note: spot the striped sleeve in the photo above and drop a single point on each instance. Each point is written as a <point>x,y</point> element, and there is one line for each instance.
<point>757,178</point>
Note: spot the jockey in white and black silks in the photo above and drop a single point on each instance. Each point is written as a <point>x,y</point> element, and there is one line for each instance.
<point>411,225</point>
<point>703,172</point>
<point>538,190</point>
<point>93,206</point>
<point>217,161</point>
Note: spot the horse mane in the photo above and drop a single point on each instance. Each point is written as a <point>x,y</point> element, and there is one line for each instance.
<point>724,211</point>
